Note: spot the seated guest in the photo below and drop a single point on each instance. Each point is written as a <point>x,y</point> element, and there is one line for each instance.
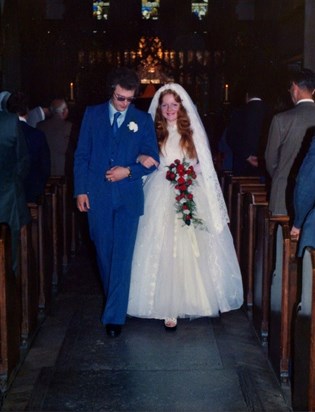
<point>304,202</point>
<point>36,180</point>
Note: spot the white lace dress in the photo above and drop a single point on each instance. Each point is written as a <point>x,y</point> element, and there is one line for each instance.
<point>179,270</point>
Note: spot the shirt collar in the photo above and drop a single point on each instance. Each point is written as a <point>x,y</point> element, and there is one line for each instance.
<point>304,101</point>
<point>112,111</point>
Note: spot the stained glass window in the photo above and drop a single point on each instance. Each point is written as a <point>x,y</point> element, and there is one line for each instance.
<point>100,10</point>
<point>199,8</point>
<point>150,9</point>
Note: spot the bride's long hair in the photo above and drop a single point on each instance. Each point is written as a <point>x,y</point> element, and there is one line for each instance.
<point>183,126</point>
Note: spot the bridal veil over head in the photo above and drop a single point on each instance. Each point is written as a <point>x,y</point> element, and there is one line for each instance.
<point>217,207</point>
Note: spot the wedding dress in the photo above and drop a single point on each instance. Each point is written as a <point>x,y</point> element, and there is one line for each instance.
<point>180,270</point>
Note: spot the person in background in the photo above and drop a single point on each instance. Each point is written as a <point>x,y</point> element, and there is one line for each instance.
<point>35,181</point>
<point>4,96</point>
<point>57,130</point>
<point>304,202</point>
<point>184,263</point>
<point>14,167</point>
<point>37,114</point>
<point>286,134</point>
<point>245,133</point>
<point>108,186</point>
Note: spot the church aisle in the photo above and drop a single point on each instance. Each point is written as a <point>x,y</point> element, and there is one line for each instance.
<point>206,365</point>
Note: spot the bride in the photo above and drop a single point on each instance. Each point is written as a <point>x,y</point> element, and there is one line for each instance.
<point>184,262</point>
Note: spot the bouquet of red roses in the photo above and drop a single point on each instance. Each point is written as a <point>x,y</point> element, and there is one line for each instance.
<point>182,176</point>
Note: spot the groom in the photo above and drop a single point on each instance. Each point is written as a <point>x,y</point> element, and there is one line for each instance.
<point>108,186</point>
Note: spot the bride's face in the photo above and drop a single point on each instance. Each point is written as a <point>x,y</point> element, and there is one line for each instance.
<point>169,108</point>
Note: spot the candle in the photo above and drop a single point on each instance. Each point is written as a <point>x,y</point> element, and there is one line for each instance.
<point>71,91</point>
<point>226,92</point>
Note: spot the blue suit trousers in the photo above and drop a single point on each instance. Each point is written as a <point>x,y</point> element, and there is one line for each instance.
<point>113,231</point>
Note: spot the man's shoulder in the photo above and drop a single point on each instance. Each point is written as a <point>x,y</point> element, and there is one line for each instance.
<point>296,111</point>
<point>139,113</point>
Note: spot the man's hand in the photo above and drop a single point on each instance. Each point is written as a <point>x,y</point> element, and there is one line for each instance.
<point>295,233</point>
<point>83,203</point>
<point>147,161</point>
<point>253,160</point>
<point>117,173</point>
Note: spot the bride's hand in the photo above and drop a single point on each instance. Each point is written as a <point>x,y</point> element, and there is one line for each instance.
<point>147,161</point>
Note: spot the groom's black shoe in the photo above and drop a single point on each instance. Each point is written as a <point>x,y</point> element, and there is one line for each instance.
<point>113,330</point>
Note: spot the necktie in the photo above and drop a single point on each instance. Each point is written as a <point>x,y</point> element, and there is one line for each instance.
<point>115,124</point>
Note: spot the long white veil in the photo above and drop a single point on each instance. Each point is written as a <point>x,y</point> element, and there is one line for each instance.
<point>217,207</point>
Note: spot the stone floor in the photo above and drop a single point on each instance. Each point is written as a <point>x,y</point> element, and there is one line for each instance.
<point>212,365</point>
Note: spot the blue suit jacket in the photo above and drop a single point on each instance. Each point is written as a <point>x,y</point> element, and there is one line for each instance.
<point>98,150</point>
<point>304,200</point>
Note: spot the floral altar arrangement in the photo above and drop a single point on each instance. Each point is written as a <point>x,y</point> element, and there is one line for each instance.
<point>182,175</point>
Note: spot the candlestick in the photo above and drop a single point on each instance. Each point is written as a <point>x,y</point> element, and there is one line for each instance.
<point>71,91</point>
<point>226,92</point>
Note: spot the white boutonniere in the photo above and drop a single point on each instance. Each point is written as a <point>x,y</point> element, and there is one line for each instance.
<point>133,127</point>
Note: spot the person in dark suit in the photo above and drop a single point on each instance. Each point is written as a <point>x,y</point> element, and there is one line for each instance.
<point>286,134</point>
<point>35,181</point>
<point>108,186</point>
<point>14,166</point>
<point>304,202</point>
<point>57,129</point>
<point>245,133</point>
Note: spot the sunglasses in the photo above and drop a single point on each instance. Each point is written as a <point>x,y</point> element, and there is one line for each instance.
<point>123,98</point>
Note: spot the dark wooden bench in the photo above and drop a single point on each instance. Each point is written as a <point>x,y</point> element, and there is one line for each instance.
<point>238,191</point>
<point>261,278</point>
<point>52,201</point>
<point>10,309</point>
<point>283,296</point>
<point>230,181</point>
<point>29,286</point>
<point>41,213</point>
<point>252,202</point>
<point>64,213</point>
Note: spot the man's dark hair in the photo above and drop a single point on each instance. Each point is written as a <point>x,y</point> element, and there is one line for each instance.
<point>124,77</point>
<point>305,79</point>
<point>18,103</point>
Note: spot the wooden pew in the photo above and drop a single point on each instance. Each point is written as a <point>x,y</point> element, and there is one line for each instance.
<point>55,224</point>
<point>283,297</point>
<point>223,179</point>
<point>10,309</point>
<point>64,215</point>
<point>238,191</point>
<point>29,286</point>
<point>303,369</point>
<point>262,270</point>
<point>42,245</point>
<point>230,181</point>
<point>251,203</point>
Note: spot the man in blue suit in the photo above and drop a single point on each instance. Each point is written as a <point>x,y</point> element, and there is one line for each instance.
<point>108,186</point>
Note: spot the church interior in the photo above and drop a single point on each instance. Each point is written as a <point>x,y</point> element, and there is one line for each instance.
<point>259,358</point>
